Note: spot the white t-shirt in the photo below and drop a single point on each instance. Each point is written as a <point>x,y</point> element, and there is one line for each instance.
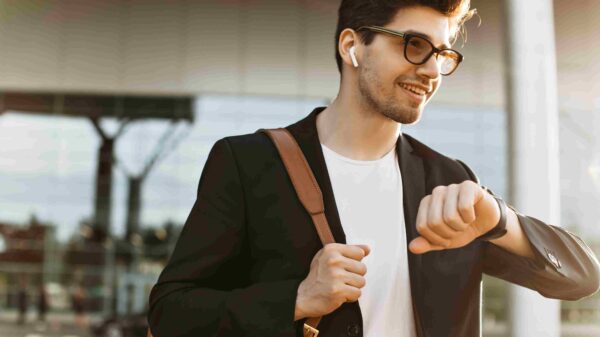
<point>368,196</point>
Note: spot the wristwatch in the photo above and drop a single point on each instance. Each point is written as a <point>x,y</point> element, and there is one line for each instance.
<point>500,229</point>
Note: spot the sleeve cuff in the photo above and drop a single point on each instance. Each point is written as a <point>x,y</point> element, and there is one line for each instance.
<point>264,309</point>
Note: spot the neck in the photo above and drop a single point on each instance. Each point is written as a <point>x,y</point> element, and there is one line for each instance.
<point>352,130</point>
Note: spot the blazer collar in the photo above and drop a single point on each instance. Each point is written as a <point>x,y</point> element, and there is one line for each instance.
<point>411,169</point>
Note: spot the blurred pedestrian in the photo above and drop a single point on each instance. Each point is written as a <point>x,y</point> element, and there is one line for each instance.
<point>22,301</point>
<point>42,303</point>
<point>78,307</point>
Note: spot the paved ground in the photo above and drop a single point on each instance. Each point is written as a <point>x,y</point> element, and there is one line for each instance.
<point>37,330</point>
<point>63,325</point>
<point>567,330</point>
<point>56,325</point>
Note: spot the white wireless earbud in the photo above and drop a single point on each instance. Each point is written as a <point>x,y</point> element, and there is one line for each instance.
<point>353,57</point>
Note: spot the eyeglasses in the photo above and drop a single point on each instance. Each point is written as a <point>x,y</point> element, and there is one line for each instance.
<point>417,50</point>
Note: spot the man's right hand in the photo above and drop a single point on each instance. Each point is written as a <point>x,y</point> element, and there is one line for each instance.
<point>336,276</point>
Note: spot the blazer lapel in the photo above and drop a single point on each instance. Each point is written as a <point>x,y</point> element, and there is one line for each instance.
<point>413,186</point>
<point>411,168</point>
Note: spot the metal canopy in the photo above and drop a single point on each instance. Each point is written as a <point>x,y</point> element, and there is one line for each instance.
<point>97,106</point>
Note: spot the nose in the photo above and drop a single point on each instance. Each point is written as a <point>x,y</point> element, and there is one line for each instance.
<point>430,69</point>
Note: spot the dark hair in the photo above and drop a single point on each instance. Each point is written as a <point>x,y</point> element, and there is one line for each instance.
<point>356,13</point>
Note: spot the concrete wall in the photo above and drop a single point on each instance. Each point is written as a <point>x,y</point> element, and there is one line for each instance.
<point>235,47</point>
<point>578,52</point>
<point>272,47</point>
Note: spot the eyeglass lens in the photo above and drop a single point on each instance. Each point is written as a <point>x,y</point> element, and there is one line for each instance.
<point>418,51</point>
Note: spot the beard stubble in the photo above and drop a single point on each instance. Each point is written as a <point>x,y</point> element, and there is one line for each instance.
<point>374,96</point>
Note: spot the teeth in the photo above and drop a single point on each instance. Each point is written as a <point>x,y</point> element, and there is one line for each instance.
<point>414,89</point>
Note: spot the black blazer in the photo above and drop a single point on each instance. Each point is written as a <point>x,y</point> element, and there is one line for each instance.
<point>248,243</point>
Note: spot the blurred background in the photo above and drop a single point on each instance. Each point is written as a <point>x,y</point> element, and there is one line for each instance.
<point>108,110</point>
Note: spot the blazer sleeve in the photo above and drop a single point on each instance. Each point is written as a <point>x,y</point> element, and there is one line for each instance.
<point>204,288</point>
<point>564,266</point>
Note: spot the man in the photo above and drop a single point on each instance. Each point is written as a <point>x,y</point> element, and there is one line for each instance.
<point>22,300</point>
<point>414,229</point>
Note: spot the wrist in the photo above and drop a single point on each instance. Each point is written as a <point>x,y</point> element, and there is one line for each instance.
<point>299,312</point>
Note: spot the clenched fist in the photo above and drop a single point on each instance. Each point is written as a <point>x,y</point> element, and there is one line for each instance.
<point>452,216</point>
<point>336,276</point>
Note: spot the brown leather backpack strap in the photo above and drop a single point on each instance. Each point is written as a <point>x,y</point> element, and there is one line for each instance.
<point>308,191</point>
<point>303,180</point>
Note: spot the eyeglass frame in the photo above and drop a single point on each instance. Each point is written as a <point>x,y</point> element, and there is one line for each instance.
<point>407,36</point>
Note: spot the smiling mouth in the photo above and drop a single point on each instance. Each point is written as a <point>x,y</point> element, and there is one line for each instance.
<point>415,94</point>
<point>415,90</point>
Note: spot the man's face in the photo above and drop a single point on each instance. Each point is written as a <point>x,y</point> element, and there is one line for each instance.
<point>387,80</point>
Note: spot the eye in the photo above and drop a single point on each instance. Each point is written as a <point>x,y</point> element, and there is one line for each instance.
<point>418,43</point>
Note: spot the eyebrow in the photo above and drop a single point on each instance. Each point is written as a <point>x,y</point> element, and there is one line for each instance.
<point>414,32</point>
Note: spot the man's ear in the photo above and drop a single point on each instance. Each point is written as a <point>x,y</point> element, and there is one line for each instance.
<point>349,40</point>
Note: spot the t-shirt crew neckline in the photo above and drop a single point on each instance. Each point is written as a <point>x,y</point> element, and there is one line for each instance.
<point>359,162</point>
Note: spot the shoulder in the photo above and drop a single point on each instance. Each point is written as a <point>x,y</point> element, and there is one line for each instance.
<point>239,151</point>
<point>247,140</point>
<point>250,154</point>
<point>255,145</point>
<point>436,163</point>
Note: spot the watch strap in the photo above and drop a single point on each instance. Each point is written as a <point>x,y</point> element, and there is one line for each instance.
<point>500,229</point>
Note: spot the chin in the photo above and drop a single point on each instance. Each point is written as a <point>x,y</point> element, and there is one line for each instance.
<point>414,120</point>
<point>404,116</point>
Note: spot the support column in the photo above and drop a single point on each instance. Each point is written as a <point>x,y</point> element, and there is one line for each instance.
<point>103,197</point>
<point>532,144</point>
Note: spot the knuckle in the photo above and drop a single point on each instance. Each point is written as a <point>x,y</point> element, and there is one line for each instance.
<point>330,247</point>
<point>452,218</point>
<point>465,210</point>
<point>463,207</point>
<point>333,261</point>
<point>334,289</point>
<point>437,223</point>
<point>439,189</point>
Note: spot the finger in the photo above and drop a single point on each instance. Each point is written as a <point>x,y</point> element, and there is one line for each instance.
<point>354,280</point>
<point>433,238</point>
<point>355,252</point>
<point>422,223</point>
<point>351,293</point>
<point>365,248</point>
<point>420,245</point>
<point>466,204</point>
<point>422,212</point>
<point>450,214</point>
<point>355,267</point>
<point>435,220</point>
